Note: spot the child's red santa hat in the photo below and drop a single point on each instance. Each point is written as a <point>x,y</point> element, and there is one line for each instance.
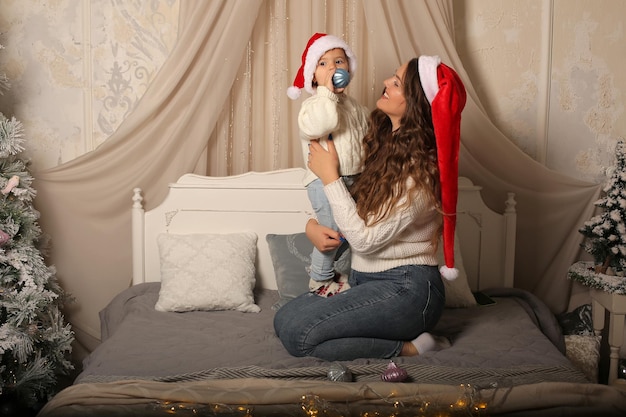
<point>446,94</point>
<point>317,46</point>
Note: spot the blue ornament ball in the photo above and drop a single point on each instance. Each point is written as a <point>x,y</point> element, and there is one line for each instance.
<point>341,78</point>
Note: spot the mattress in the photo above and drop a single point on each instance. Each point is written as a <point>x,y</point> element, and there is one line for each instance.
<point>507,357</point>
<point>511,342</point>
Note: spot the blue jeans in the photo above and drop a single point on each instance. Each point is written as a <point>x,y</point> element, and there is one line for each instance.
<point>323,263</point>
<point>370,320</point>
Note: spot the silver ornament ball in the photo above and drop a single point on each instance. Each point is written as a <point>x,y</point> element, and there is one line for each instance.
<point>341,78</point>
<point>339,373</point>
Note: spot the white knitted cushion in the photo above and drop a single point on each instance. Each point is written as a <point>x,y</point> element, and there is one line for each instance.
<point>584,352</point>
<point>207,272</point>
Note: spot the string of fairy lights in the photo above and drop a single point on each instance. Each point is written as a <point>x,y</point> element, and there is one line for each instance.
<point>469,403</point>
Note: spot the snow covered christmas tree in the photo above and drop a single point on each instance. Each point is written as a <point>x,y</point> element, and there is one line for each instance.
<point>35,341</point>
<point>606,232</point>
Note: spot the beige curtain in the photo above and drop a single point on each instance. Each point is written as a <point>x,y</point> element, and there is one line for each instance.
<point>85,203</point>
<point>218,107</point>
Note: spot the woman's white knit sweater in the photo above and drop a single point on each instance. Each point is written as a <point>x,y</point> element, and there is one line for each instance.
<point>405,238</point>
<point>326,112</point>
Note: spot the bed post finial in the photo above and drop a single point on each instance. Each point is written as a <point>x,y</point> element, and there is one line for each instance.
<point>137,198</point>
<point>137,237</point>
<point>510,203</point>
<point>510,217</point>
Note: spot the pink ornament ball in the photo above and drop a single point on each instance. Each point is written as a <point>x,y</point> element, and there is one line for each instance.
<point>394,374</point>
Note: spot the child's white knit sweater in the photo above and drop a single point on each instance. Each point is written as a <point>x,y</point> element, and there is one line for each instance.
<point>326,112</point>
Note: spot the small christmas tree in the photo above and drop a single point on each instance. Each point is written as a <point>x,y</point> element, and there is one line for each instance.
<point>606,232</point>
<point>35,342</point>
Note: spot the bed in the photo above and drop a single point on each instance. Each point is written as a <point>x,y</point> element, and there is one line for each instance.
<point>193,334</point>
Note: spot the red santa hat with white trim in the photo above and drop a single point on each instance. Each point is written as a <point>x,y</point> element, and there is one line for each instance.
<point>317,46</point>
<point>446,94</point>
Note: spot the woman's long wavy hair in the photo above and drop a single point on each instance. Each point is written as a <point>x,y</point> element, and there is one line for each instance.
<point>391,158</point>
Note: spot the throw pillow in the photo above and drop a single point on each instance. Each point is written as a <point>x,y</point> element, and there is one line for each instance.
<point>577,322</point>
<point>291,254</point>
<point>207,272</point>
<point>584,352</point>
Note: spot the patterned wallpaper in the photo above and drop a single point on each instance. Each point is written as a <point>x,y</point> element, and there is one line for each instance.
<point>550,74</point>
<point>79,67</point>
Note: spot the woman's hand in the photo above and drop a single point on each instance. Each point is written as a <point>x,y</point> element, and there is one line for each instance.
<point>324,163</point>
<point>322,237</point>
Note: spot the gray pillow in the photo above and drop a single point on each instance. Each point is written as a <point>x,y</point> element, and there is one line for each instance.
<point>291,255</point>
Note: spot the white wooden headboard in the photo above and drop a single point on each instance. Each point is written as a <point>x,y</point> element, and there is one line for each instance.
<point>276,202</point>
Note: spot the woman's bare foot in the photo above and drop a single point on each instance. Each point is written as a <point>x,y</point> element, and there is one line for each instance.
<point>408,349</point>
<point>424,343</point>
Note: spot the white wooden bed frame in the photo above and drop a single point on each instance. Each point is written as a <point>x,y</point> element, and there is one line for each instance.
<point>276,202</point>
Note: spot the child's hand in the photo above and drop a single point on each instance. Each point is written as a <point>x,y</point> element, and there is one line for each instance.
<point>328,82</point>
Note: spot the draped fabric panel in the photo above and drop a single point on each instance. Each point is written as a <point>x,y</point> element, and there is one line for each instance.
<point>85,203</point>
<point>551,207</point>
<point>218,106</point>
<point>257,128</point>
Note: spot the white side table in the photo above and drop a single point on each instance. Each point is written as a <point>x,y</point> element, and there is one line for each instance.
<point>607,293</point>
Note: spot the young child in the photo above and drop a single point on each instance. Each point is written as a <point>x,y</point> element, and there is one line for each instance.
<point>329,114</point>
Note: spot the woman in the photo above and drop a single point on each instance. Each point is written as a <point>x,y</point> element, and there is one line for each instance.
<point>391,217</point>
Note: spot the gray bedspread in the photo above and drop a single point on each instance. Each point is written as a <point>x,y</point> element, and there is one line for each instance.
<point>515,341</point>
